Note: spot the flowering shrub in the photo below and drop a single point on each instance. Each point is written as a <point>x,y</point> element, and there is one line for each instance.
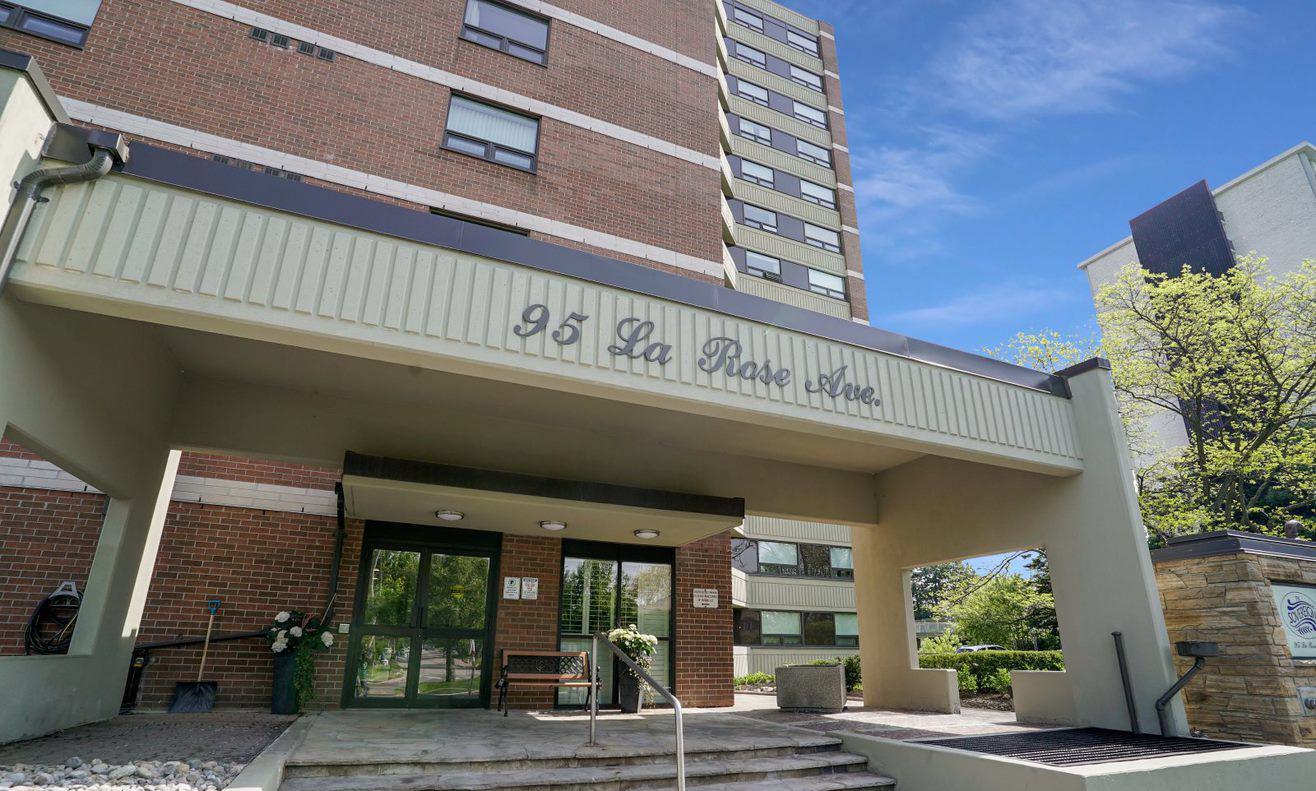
<point>639,647</point>
<point>297,634</point>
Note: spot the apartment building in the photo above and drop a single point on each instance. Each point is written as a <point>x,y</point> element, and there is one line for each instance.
<point>1268,211</point>
<point>363,310</point>
<point>584,127</point>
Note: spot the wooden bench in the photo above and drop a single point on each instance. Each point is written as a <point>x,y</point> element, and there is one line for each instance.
<point>543,669</point>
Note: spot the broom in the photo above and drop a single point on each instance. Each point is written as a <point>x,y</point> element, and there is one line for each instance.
<point>197,696</point>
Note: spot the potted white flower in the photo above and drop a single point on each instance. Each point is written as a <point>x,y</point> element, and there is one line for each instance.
<point>293,637</point>
<point>640,648</point>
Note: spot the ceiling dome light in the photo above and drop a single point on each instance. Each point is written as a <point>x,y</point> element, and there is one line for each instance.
<point>646,534</point>
<point>553,526</point>
<point>449,516</point>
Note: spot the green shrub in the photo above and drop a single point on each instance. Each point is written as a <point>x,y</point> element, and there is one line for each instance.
<point>997,680</point>
<point>853,677</point>
<point>754,679</point>
<point>968,684</point>
<point>982,664</point>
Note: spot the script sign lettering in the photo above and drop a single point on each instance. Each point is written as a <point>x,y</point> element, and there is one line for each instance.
<point>638,339</point>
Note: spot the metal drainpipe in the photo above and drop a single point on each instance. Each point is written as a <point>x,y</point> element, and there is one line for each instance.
<point>29,195</point>
<point>340,537</point>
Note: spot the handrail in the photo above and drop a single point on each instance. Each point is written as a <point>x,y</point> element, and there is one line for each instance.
<point>659,688</point>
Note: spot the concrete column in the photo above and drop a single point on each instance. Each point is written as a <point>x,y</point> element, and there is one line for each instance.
<point>95,396</point>
<point>935,509</point>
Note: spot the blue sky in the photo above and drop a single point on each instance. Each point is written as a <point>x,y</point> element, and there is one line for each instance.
<point>997,144</point>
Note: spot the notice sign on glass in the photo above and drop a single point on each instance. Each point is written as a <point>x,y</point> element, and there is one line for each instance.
<point>1297,611</point>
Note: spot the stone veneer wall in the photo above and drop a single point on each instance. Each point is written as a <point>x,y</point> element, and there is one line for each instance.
<point>1250,692</point>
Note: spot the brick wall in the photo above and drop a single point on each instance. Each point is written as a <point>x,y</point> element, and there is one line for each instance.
<point>703,636</point>
<point>165,61</point>
<point>1250,692</point>
<point>529,624</point>
<point>46,537</point>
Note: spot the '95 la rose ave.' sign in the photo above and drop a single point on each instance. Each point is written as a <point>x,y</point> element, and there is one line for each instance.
<point>1297,611</point>
<point>718,354</point>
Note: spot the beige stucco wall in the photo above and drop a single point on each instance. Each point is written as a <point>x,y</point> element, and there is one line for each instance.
<point>934,510</point>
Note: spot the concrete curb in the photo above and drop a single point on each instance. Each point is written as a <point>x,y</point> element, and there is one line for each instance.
<point>265,772</point>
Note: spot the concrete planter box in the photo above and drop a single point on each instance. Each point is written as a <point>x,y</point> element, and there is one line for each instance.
<point>817,688</point>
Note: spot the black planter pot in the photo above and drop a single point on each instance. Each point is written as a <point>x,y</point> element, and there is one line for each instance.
<point>630,694</point>
<point>284,698</point>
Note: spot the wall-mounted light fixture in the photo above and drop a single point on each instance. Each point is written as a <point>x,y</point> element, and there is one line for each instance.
<point>449,516</point>
<point>553,526</point>
<point>646,534</point>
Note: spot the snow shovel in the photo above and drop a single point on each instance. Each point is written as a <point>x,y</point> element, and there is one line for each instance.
<point>191,697</point>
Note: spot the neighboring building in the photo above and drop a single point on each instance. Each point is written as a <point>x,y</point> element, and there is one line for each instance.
<point>468,261</point>
<point>792,584</point>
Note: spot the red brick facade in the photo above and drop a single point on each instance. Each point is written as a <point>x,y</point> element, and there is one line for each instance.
<point>258,562</point>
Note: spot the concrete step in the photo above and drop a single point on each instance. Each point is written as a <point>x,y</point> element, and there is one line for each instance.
<point>607,755</point>
<point>800,771</point>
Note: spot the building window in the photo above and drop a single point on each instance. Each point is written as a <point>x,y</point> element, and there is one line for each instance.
<point>806,78</point>
<point>802,42</point>
<point>811,115</point>
<point>753,171</point>
<point>751,56</point>
<point>842,562</point>
<point>813,153</point>
<point>64,21</point>
<point>748,19</point>
<point>744,555</point>
<point>752,92</point>
<point>817,193</point>
<point>825,238</point>
<point>776,557</point>
<point>517,33</point>
<point>755,131</point>
<point>826,284</point>
<point>492,133</point>
<point>819,628</point>
<point>847,629</point>
<point>757,217</point>
<point>780,628</point>
<point>766,267</point>
<point>748,627</point>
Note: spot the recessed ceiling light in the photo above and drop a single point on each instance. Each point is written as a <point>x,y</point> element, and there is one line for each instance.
<point>450,516</point>
<point>646,534</point>
<point>553,526</point>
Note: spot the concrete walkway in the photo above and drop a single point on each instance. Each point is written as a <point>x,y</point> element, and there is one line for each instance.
<point>883,723</point>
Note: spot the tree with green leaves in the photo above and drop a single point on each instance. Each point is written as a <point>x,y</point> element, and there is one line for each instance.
<point>1003,611</point>
<point>1234,357</point>
<point>1046,350</point>
<point>933,585</point>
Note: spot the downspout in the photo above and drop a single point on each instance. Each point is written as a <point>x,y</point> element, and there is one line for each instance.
<point>340,537</point>
<point>106,152</point>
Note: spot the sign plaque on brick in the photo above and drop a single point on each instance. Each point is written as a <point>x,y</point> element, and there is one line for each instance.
<point>1297,612</point>
<point>705,598</point>
<point>511,587</point>
<point>530,588</point>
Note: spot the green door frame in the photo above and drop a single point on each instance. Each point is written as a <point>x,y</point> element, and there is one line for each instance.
<point>427,540</point>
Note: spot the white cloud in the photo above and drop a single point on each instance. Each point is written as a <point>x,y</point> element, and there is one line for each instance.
<point>1032,57</point>
<point>996,303</point>
<point>919,176</point>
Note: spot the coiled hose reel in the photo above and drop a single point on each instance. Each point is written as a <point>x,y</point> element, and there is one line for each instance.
<point>50,629</point>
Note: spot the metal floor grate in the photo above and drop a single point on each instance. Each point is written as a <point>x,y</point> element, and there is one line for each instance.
<point>1079,746</point>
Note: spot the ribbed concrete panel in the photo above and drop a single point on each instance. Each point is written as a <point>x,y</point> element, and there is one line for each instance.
<point>781,160</point>
<point>788,295</point>
<point>767,660</point>
<point>777,83</point>
<point>776,120</point>
<point>760,41</point>
<point>796,530</point>
<point>791,250</point>
<point>789,593</point>
<point>166,255</point>
<point>807,24</point>
<point>739,588</point>
<point>788,204</point>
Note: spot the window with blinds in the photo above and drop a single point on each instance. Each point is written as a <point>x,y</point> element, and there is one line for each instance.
<point>492,133</point>
<point>505,29</point>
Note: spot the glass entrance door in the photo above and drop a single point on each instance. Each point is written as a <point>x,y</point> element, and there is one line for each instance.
<point>421,631</point>
<point>605,586</point>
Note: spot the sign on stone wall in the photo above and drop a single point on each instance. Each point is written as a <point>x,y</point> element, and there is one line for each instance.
<point>1297,612</point>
